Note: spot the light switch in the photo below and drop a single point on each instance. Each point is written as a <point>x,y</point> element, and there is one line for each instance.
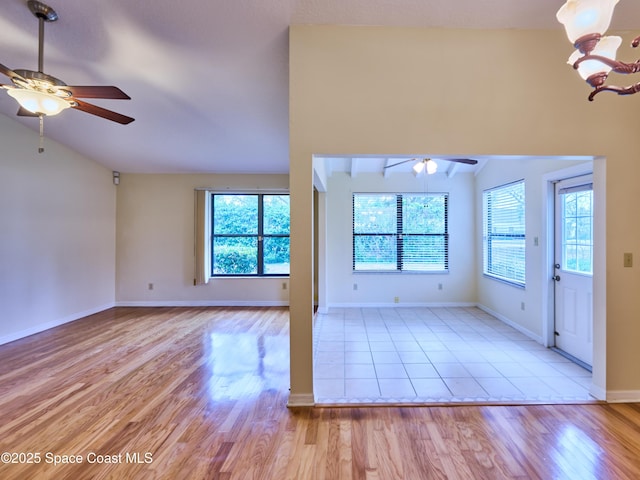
<point>628,259</point>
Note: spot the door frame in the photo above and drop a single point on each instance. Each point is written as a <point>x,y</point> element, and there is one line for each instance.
<point>598,168</point>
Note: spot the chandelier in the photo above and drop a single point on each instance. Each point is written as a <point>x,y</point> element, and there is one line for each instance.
<point>585,22</point>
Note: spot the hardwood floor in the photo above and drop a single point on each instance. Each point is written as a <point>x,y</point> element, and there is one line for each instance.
<point>196,393</point>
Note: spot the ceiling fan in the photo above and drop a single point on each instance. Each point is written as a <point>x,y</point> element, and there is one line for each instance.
<point>429,165</point>
<point>41,95</point>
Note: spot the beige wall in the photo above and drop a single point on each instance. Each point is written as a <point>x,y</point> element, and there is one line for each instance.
<point>155,232</point>
<point>377,90</point>
<point>57,234</point>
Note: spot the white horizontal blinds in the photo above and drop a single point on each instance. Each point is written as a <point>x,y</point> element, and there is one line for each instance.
<point>576,188</point>
<point>375,242</point>
<point>577,228</point>
<point>504,232</point>
<point>424,236</point>
<point>400,232</point>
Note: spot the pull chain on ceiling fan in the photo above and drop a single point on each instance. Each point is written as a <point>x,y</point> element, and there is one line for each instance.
<point>41,95</point>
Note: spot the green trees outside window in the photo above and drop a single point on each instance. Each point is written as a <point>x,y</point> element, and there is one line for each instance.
<point>250,234</point>
<point>577,231</point>
<point>400,232</point>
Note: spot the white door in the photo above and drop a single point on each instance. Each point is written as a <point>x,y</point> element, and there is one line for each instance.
<point>573,272</point>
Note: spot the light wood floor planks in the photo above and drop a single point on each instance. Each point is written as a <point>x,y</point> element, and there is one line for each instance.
<point>198,393</point>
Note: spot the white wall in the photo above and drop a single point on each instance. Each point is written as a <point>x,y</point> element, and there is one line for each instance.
<point>465,283</point>
<point>155,232</point>
<point>458,286</point>
<point>57,234</point>
<point>498,297</point>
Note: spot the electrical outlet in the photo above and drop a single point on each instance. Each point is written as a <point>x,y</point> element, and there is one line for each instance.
<point>439,286</point>
<point>150,286</point>
<point>355,286</point>
<point>284,285</point>
<point>521,305</point>
<point>628,260</point>
<point>396,299</point>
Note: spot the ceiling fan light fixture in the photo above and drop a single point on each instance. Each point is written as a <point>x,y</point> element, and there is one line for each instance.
<point>39,102</point>
<point>427,164</point>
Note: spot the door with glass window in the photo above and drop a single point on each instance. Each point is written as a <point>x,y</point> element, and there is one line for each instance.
<point>573,268</point>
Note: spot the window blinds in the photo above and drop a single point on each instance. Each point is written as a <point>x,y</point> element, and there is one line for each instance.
<point>400,232</point>
<point>504,232</point>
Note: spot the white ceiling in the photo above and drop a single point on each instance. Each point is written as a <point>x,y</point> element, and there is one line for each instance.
<point>209,78</point>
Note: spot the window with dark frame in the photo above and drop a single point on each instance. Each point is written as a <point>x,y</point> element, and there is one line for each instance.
<point>504,233</point>
<point>250,234</point>
<point>400,232</point>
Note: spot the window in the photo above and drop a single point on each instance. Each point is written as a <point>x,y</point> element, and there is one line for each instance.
<point>400,232</point>
<point>250,234</point>
<point>577,228</point>
<point>504,233</point>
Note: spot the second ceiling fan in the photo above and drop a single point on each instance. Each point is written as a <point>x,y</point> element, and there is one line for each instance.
<point>429,165</point>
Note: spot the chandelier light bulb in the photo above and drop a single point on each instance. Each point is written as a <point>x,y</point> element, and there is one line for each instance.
<point>585,17</point>
<point>607,47</point>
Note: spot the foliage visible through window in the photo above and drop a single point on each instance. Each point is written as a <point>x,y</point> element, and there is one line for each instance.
<point>400,232</point>
<point>577,231</point>
<point>504,233</point>
<point>250,234</point>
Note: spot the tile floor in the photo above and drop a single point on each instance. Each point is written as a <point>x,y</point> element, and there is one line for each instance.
<point>436,355</point>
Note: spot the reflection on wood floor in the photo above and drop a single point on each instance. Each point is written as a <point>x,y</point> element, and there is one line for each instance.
<point>195,393</point>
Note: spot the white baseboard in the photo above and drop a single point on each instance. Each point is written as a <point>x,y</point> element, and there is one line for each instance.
<point>301,400</point>
<point>401,305</point>
<point>202,303</point>
<point>623,396</point>
<point>511,323</point>
<point>52,324</point>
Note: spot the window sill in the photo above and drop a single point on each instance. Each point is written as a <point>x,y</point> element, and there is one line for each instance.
<point>252,277</point>
<point>505,281</point>
<point>404,272</point>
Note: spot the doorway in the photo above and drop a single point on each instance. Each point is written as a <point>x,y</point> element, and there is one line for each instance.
<point>573,267</point>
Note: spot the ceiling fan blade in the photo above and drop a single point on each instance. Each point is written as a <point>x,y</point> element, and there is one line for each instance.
<point>468,161</point>
<point>8,72</point>
<point>400,163</point>
<point>102,112</point>
<point>23,112</point>
<point>96,92</point>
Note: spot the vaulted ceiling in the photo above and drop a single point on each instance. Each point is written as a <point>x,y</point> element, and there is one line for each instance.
<point>209,78</point>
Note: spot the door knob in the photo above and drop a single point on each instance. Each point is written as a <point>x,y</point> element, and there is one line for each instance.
<point>556,278</point>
